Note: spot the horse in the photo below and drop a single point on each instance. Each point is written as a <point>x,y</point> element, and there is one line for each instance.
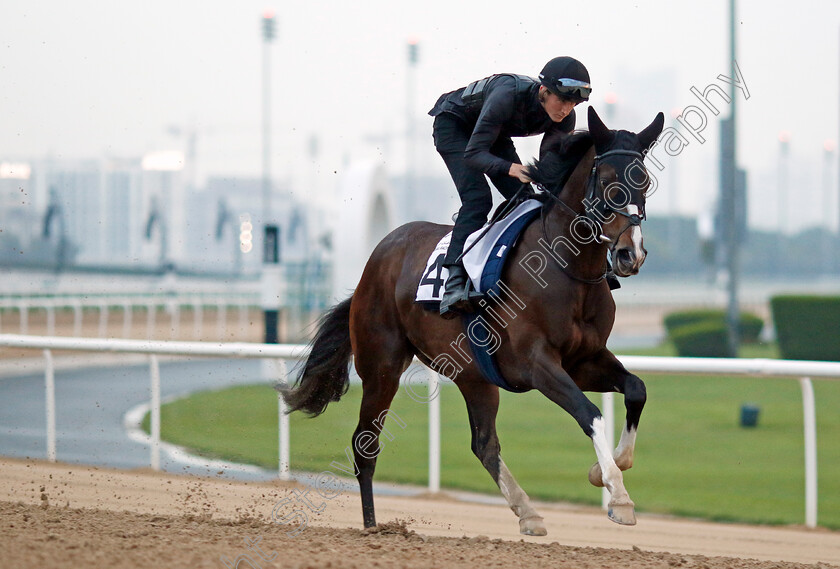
<point>558,309</point>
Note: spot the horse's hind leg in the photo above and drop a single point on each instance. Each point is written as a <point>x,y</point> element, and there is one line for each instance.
<point>605,373</point>
<point>380,369</point>
<point>482,405</point>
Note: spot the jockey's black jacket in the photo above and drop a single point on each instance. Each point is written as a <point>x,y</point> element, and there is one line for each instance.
<point>509,107</point>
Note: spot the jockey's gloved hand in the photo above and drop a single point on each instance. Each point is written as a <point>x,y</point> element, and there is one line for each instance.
<point>519,172</point>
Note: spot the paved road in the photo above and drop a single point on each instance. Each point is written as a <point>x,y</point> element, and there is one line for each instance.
<point>91,404</point>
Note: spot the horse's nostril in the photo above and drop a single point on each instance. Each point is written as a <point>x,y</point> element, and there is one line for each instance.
<point>624,256</point>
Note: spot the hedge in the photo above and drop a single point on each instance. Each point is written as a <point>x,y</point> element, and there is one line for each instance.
<point>807,327</point>
<point>750,324</point>
<point>704,339</point>
<point>750,327</point>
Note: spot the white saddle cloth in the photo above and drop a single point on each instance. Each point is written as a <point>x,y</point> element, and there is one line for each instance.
<point>430,288</point>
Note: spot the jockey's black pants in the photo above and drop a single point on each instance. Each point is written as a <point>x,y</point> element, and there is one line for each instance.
<point>451,136</point>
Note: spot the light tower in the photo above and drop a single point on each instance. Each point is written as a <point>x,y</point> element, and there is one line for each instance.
<point>782,190</point>
<point>828,160</point>
<point>268,35</point>
<point>411,136</point>
<point>271,277</point>
<point>611,99</point>
<point>731,193</point>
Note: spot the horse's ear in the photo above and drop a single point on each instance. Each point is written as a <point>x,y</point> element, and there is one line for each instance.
<point>601,135</point>
<point>651,132</point>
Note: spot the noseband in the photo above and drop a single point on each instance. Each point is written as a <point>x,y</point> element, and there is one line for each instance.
<point>596,209</point>
<point>599,208</point>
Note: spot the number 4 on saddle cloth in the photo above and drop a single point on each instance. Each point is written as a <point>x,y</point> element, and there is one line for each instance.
<point>483,261</point>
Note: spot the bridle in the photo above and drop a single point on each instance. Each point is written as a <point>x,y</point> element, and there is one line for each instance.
<point>604,206</point>
<point>596,208</point>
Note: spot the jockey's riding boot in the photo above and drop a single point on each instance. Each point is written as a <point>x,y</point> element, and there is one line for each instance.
<point>456,293</point>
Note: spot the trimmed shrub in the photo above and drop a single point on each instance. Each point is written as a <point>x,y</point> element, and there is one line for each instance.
<point>679,319</point>
<point>706,339</point>
<point>749,323</point>
<point>807,327</point>
<point>750,326</point>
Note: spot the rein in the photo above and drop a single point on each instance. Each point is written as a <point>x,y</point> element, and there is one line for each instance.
<point>591,188</point>
<point>543,211</point>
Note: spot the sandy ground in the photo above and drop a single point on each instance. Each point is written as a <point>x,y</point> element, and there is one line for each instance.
<point>60,515</point>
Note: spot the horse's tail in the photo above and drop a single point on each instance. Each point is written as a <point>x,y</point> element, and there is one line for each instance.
<point>326,373</point>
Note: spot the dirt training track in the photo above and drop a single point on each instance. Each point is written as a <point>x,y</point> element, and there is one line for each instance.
<point>60,515</point>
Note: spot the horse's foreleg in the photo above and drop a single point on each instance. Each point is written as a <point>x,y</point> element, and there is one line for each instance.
<point>621,508</point>
<point>635,396</point>
<point>634,401</point>
<point>605,373</point>
<point>482,405</point>
<point>553,381</point>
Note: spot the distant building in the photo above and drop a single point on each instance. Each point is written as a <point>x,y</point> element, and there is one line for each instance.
<point>224,210</point>
<point>432,198</point>
<point>16,209</point>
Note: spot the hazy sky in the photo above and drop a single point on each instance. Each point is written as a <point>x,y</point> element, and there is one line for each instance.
<point>94,78</point>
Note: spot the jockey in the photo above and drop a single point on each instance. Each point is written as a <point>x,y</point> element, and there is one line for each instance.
<point>472,132</point>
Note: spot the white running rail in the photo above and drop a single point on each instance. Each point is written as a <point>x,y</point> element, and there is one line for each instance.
<point>803,370</point>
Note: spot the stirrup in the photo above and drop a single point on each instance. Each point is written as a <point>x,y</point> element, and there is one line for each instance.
<point>456,307</point>
<point>455,303</point>
<point>457,295</point>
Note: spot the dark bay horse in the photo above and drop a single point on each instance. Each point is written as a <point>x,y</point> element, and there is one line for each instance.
<point>556,314</point>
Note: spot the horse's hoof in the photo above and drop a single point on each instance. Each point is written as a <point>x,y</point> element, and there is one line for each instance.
<point>624,514</point>
<point>532,526</point>
<point>595,477</point>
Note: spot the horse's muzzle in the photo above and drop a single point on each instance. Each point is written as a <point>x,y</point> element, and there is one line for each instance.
<point>627,262</point>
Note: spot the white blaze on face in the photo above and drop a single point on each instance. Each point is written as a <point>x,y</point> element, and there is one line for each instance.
<point>636,235</point>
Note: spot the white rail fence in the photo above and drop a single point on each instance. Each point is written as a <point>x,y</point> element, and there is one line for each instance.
<point>803,370</point>
<point>128,304</point>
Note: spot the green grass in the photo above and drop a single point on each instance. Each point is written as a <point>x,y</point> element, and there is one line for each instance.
<point>692,458</point>
<point>760,350</point>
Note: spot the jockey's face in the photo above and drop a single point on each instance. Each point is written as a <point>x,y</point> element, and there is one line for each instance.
<point>557,108</point>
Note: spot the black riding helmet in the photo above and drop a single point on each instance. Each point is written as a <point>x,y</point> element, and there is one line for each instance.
<point>567,78</point>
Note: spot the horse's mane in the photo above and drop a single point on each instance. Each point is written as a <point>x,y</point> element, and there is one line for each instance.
<point>561,154</point>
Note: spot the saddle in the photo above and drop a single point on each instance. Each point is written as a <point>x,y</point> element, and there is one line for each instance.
<point>485,249</point>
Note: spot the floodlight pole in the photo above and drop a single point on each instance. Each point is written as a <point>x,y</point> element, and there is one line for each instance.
<point>730,193</point>
<point>411,135</point>
<point>268,34</point>
<point>271,280</point>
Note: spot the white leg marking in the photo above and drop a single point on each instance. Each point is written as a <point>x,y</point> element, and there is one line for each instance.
<point>624,451</point>
<point>514,494</point>
<point>610,473</point>
<point>620,508</point>
<point>530,522</point>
